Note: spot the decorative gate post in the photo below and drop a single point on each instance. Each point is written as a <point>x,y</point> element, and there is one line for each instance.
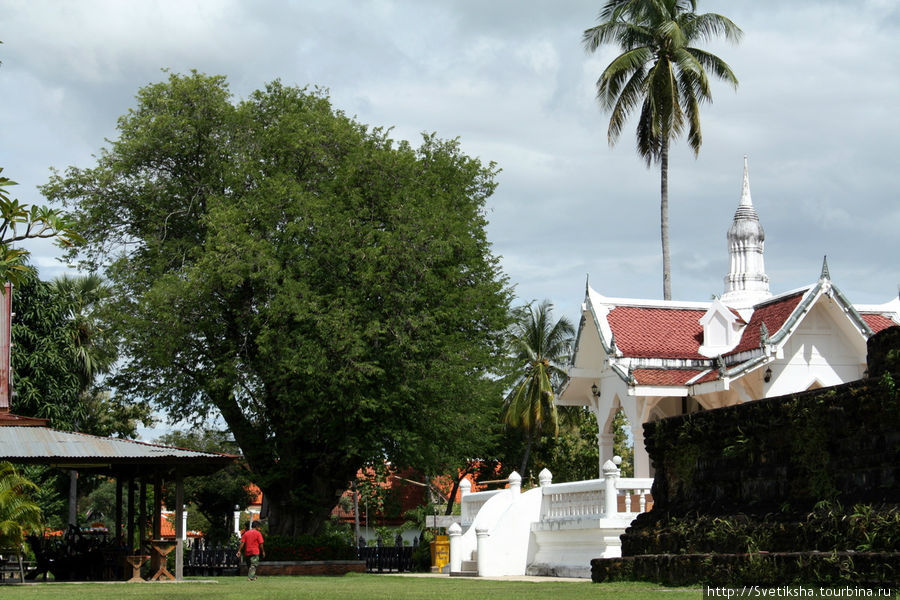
<point>610,474</point>
<point>481,548</point>
<point>455,533</point>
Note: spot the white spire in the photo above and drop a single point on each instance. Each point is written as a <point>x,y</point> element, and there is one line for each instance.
<point>747,282</point>
<point>745,187</point>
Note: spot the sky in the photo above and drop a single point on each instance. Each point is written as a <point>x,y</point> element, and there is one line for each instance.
<point>817,111</point>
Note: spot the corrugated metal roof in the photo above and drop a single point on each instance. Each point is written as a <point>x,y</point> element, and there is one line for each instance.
<point>50,446</point>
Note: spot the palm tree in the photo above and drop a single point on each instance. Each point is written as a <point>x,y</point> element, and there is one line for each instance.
<point>662,73</point>
<point>541,347</point>
<point>18,513</point>
<point>83,295</point>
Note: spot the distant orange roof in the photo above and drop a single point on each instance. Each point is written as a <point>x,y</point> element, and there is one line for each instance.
<point>255,494</point>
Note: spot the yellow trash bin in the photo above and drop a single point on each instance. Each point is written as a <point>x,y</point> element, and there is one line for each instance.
<point>440,551</point>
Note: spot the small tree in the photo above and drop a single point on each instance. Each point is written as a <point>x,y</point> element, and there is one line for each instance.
<point>540,347</point>
<point>18,513</point>
<point>20,222</point>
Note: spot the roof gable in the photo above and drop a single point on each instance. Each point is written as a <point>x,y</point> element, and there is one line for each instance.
<point>773,314</point>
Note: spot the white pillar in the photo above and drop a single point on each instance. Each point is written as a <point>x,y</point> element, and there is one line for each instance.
<point>610,474</point>
<point>455,533</point>
<point>515,482</point>
<point>237,523</point>
<point>545,477</point>
<point>184,524</point>
<point>641,458</point>
<point>605,442</point>
<point>465,488</point>
<point>481,533</point>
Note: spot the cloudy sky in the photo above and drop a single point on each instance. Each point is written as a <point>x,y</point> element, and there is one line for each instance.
<point>817,111</point>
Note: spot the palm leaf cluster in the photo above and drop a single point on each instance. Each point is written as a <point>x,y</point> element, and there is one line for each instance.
<point>18,513</point>
<point>659,69</point>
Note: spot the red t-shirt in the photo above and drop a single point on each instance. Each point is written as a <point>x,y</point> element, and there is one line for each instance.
<point>251,538</point>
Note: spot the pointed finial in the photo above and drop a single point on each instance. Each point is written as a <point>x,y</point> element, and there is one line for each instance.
<point>825,274</point>
<point>587,283</point>
<point>745,186</point>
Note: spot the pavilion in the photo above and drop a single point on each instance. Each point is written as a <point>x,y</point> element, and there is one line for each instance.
<point>133,464</point>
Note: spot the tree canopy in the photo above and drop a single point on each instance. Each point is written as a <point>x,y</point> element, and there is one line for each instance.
<point>329,292</point>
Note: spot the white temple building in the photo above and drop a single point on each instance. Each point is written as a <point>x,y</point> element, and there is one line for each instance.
<point>656,358</point>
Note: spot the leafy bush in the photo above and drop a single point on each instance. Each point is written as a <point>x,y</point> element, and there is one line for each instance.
<point>309,547</point>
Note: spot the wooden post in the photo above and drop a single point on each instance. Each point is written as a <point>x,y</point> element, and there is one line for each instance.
<point>142,515</point>
<point>130,534</point>
<point>179,527</point>
<point>73,497</point>
<point>118,507</point>
<point>157,507</point>
<point>156,531</point>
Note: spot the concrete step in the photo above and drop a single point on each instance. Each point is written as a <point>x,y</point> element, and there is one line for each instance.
<point>469,565</point>
<point>463,574</point>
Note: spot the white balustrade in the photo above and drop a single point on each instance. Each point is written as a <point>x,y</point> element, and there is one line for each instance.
<point>567,524</point>
<point>579,499</point>
<point>472,503</point>
<point>635,485</point>
<point>573,500</point>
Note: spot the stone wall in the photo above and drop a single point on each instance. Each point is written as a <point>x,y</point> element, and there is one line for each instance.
<point>817,471</point>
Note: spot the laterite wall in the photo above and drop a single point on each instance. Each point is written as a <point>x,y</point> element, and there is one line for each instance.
<point>815,471</point>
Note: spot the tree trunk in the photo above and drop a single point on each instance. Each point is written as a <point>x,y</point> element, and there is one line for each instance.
<point>300,496</point>
<point>451,499</point>
<point>356,534</point>
<point>664,218</point>
<point>529,439</point>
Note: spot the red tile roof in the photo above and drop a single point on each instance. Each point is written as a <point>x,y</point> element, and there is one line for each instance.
<point>773,314</point>
<point>665,376</point>
<point>650,332</point>
<point>877,321</point>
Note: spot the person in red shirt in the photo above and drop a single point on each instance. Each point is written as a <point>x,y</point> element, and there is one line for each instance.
<point>252,548</point>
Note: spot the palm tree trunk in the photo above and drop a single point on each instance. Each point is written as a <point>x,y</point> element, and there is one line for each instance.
<point>529,439</point>
<point>664,218</point>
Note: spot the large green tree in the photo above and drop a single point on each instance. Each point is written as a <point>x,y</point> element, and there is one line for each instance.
<point>540,348</point>
<point>327,291</point>
<point>661,73</point>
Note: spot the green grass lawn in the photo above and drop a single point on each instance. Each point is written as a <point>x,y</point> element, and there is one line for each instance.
<point>350,587</point>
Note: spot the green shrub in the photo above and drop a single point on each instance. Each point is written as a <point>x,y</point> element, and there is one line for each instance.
<point>330,546</point>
